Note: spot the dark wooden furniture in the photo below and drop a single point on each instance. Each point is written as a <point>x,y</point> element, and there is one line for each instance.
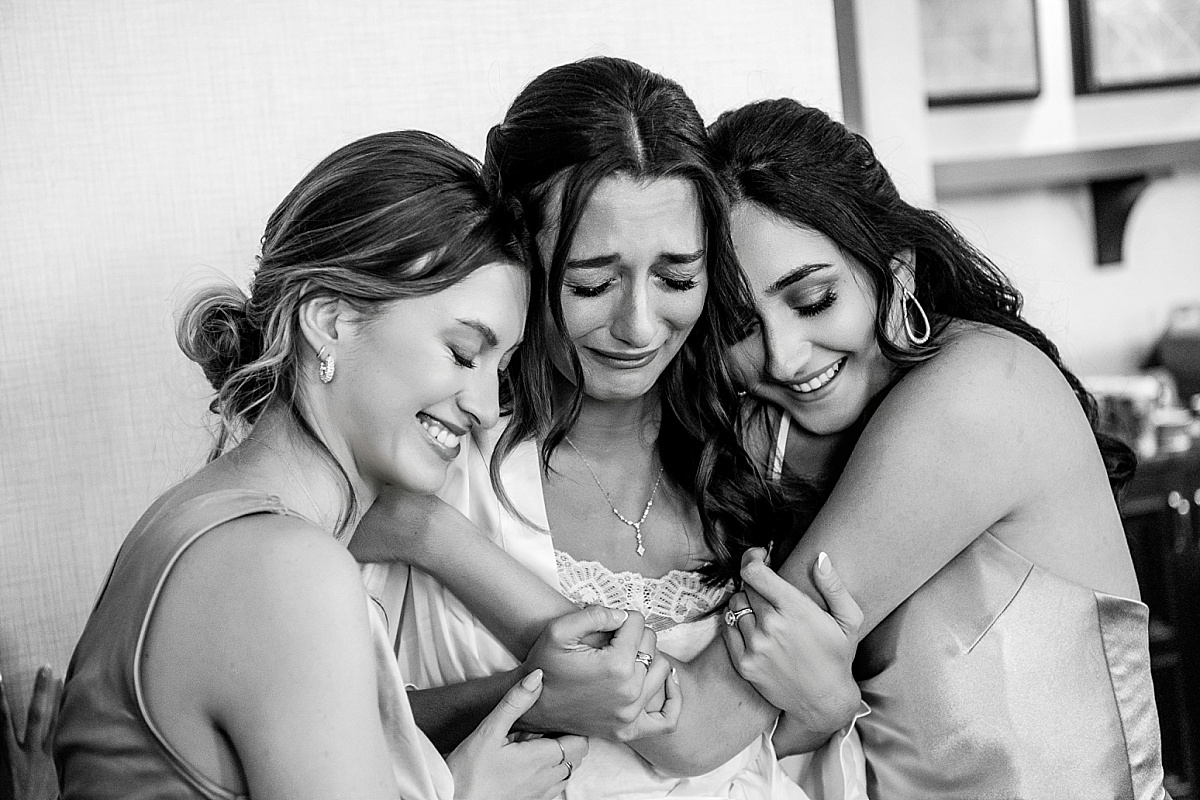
<point>1162,524</point>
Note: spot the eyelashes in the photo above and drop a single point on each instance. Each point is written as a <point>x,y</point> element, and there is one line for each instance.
<point>462,360</point>
<point>812,309</point>
<point>597,289</point>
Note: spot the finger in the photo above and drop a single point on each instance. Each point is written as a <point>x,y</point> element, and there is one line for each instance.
<point>516,701</point>
<point>842,607</point>
<point>648,644</point>
<point>658,673</point>
<point>576,748</point>
<point>758,576</point>
<point>629,635</point>
<point>6,719</point>
<point>39,722</point>
<point>572,627</point>
<point>668,718</point>
<point>736,646</point>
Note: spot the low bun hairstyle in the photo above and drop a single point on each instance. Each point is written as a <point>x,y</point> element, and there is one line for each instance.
<point>393,215</point>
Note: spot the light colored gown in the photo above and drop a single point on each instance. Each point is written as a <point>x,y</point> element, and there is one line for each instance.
<point>999,679</point>
<point>441,642</point>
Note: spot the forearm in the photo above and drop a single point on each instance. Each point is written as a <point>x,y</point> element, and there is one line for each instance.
<point>794,737</point>
<point>448,714</point>
<point>512,602</point>
<point>722,714</point>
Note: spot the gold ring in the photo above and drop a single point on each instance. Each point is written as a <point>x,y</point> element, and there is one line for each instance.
<point>731,616</point>
<point>645,659</point>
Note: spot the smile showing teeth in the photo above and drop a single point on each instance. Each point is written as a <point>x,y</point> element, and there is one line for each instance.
<point>822,379</point>
<point>438,432</point>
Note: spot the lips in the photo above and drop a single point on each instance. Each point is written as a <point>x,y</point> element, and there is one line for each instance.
<point>624,360</point>
<point>820,380</point>
<point>445,441</point>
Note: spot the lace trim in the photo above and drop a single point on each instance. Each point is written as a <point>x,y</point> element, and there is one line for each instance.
<point>677,597</point>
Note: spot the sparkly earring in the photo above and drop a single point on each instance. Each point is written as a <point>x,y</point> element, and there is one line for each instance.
<point>328,365</point>
<point>910,299</point>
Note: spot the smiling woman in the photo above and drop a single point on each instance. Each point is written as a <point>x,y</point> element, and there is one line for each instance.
<point>232,651</point>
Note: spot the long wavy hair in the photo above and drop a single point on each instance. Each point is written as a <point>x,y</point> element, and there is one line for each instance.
<point>800,164</point>
<point>394,215</point>
<point>572,127</point>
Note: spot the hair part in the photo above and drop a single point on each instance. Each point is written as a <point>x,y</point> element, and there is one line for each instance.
<point>568,130</point>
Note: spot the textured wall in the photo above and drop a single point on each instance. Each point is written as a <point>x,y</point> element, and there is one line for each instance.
<point>142,146</point>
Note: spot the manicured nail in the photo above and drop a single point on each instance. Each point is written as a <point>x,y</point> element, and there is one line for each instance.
<point>674,677</point>
<point>532,681</point>
<point>624,615</point>
<point>823,567</point>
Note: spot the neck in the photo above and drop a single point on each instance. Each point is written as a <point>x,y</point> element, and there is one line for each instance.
<point>301,472</point>
<point>610,425</point>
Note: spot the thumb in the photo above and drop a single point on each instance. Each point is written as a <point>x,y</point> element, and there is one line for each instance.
<point>516,701</point>
<point>842,607</point>
<point>570,628</point>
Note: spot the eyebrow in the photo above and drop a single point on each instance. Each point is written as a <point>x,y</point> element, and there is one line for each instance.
<point>795,276</point>
<point>485,331</point>
<point>609,259</point>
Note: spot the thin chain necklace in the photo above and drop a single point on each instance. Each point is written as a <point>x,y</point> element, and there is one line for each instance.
<point>637,526</point>
<point>316,508</point>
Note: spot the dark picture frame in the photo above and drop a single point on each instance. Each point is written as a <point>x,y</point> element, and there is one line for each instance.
<point>1134,44</point>
<point>980,51</point>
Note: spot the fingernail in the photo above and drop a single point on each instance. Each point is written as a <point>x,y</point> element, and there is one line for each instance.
<point>823,567</point>
<point>770,548</point>
<point>624,615</point>
<point>532,681</point>
<point>674,677</point>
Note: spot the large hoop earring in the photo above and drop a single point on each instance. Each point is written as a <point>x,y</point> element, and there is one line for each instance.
<point>328,365</point>
<point>910,299</point>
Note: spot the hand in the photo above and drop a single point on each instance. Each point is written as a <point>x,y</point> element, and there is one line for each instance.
<point>796,654</point>
<point>31,757</point>
<point>490,764</point>
<point>600,688</point>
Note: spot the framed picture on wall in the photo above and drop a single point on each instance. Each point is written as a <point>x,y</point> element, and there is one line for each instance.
<point>979,51</point>
<point>1129,44</point>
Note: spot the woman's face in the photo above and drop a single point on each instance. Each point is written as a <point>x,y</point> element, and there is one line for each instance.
<point>412,382</point>
<point>635,281</point>
<point>815,353</point>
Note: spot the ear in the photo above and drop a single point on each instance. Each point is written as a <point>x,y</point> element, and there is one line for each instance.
<point>904,265</point>
<point>319,322</point>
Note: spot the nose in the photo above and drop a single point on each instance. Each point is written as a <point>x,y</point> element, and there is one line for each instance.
<point>634,321</point>
<point>481,400</point>
<point>786,355</point>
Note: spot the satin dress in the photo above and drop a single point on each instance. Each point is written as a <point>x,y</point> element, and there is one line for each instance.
<point>999,679</point>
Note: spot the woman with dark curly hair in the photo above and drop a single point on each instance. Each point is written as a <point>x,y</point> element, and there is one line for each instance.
<point>970,497</point>
<point>232,651</point>
<point>617,391</point>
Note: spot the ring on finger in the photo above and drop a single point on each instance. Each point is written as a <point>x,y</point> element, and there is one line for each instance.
<point>732,617</point>
<point>562,750</point>
<point>644,658</point>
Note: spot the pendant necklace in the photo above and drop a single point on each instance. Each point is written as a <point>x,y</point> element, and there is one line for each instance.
<point>637,526</point>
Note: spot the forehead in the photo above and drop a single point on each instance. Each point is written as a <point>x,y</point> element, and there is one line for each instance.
<point>622,208</point>
<point>769,246</point>
<point>496,294</point>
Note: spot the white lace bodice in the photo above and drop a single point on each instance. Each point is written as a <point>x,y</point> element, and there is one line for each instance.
<point>677,597</point>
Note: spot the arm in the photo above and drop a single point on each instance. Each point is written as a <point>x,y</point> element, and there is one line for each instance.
<point>592,683</point>
<point>515,604</point>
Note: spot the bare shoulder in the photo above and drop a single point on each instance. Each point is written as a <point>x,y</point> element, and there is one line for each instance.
<point>988,374</point>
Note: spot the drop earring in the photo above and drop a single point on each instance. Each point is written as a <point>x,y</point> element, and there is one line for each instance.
<point>910,299</point>
<point>328,365</point>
